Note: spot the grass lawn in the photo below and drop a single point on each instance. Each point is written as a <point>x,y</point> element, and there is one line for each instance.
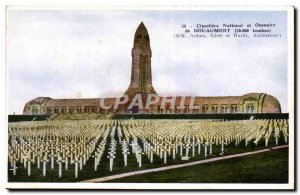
<point>269,167</point>
<point>240,170</point>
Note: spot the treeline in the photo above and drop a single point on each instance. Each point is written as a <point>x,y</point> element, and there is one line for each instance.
<point>19,118</point>
<point>239,116</point>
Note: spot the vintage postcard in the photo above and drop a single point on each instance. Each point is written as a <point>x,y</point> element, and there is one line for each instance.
<point>150,98</point>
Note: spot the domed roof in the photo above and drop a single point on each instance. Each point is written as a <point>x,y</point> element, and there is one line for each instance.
<point>266,103</point>
<point>38,100</point>
<point>271,105</point>
<point>252,96</point>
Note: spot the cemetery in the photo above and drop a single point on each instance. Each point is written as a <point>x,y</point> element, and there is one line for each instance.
<point>163,136</point>
<point>71,151</point>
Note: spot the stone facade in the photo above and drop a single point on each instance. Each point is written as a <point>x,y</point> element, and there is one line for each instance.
<point>141,83</point>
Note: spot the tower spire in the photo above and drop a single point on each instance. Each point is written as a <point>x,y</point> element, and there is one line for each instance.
<point>141,37</point>
<point>141,76</point>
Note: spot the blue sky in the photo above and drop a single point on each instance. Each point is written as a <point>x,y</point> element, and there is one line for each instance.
<point>87,54</point>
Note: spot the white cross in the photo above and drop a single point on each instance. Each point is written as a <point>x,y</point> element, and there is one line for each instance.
<point>139,156</point>
<point>59,161</point>
<point>111,161</point>
<point>222,148</point>
<point>125,153</point>
<point>76,161</point>
<point>45,160</point>
<point>187,147</point>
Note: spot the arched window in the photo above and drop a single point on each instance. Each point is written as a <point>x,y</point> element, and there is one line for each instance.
<point>214,109</point>
<point>204,109</point>
<point>224,108</point>
<point>63,110</point>
<point>49,110</point>
<point>71,109</point>
<point>249,108</point>
<point>94,109</point>
<point>79,109</point>
<point>56,110</point>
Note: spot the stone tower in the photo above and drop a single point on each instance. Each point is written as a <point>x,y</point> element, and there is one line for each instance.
<point>141,77</point>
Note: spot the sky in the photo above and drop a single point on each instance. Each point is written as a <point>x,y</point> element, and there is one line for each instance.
<point>87,54</point>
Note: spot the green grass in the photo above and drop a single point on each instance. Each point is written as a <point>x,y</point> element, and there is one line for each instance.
<point>269,167</point>
<point>103,169</point>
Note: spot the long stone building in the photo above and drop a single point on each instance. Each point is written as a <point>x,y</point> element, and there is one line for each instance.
<point>141,83</point>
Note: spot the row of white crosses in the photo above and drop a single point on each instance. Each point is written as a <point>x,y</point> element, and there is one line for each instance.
<point>161,145</point>
<point>55,142</point>
<point>280,126</point>
<point>206,132</point>
<point>149,146</point>
<point>136,149</point>
<point>125,151</point>
<point>284,128</point>
<point>112,153</point>
<point>99,151</point>
<point>184,140</point>
<point>59,144</point>
<point>124,140</point>
<point>112,148</point>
